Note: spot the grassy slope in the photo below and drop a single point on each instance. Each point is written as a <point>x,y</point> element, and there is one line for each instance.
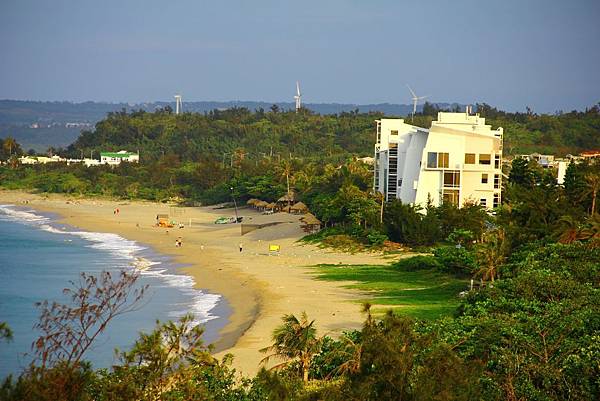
<point>422,294</point>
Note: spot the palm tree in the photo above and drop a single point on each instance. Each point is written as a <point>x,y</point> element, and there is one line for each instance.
<point>592,181</point>
<point>568,230</point>
<point>491,254</point>
<point>349,350</point>
<point>294,340</point>
<point>9,144</point>
<point>285,170</point>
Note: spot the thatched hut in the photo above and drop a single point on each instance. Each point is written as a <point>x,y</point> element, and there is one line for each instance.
<point>260,205</point>
<point>299,208</point>
<point>286,201</point>
<point>252,202</point>
<point>310,223</point>
<point>271,206</point>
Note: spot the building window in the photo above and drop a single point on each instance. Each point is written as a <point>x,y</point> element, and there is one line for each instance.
<point>443,160</point>
<point>394,132</point>
<point>496,161</point>
<point>437,160</point>
<point>484,158</point>
<point>496,200</point>
<point>400,182</point>
<point>496,181</point>
<point>483,202</point>
<point>450,196</point>
<point>484,178</point>
<point>469,158</point>
<point>452,179</point>
<point>431,160</point>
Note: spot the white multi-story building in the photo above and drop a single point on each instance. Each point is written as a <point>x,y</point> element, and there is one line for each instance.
<point>457,160</point>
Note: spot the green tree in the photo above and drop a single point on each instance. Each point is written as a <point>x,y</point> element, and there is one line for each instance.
<point>491,254</point>
<point>592,181</point>
<point>294,340</point>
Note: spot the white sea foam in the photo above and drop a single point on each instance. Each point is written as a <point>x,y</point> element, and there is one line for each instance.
<point>27,217</point>
<point>201,303</point>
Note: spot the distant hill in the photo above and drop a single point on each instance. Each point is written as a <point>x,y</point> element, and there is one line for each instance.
<point>40,125</point>
<point>18,112</point>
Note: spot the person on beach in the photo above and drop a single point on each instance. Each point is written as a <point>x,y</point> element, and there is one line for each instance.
<point>241,246</point>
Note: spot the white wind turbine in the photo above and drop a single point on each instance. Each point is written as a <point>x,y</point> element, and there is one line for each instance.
<point>298,97</point>
<point>415,100</point>
<point>178,105</point>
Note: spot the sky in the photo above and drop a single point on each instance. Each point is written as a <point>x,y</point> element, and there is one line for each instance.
<point>544,54</point>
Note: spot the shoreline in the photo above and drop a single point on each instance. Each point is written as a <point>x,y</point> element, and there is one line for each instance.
<point>259,288</point>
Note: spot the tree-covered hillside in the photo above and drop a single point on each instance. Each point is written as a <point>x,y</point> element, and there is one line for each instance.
<point>218,134</point>
<point>257,134</point>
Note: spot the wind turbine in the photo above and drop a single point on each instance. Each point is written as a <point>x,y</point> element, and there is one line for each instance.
<point>415,100</point>
<point>178,105</point>
<point>298,97</point>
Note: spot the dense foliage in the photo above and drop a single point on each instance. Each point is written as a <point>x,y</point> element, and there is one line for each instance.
<point>527,329</point>
<point>533,335</point>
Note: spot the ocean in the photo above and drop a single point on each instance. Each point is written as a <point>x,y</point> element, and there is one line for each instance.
<point>38,258</point>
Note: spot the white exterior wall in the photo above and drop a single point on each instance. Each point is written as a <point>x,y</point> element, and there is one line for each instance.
<point>133,158</point>
<point>453,133</point>
<point>393,133</point>
<point>412,166</point>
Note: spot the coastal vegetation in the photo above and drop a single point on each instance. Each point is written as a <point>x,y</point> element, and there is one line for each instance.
<point>534,334</point>
<point>528,329</point>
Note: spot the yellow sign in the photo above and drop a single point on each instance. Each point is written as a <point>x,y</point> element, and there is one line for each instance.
<point>274,248</point>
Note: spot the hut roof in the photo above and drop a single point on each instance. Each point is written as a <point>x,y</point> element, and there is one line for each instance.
<point>252,201</point>
<point>287,197</point>
<point>271,205</point>
<point>261,203</point>
<point>309,219</point>
<point>300,207</point>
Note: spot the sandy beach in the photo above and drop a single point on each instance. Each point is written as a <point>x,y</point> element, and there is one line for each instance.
<point>259,287</point>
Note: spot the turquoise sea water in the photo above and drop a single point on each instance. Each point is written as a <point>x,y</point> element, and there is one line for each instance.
<point>38,257</point>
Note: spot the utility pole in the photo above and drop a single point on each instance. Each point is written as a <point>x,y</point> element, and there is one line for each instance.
<point>234,204</point>
<point>381,211</point>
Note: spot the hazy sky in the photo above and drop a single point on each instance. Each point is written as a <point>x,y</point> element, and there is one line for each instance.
<point>509,53</point>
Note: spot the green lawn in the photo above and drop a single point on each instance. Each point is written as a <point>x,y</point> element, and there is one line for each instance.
<point>424,294</point>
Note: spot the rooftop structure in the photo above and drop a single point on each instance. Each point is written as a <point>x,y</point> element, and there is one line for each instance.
<point>40,159</point>
<point>457,160</point>
<point>590,154</point>
<point>115,158</point>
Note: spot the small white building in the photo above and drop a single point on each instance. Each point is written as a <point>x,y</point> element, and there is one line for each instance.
<point>457,160</point>
<point>115,158</point>
<point>40,159</point>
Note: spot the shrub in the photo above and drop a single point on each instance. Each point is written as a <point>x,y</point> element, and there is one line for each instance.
<point>418,263</point>
<point>456,260</point>
<point>376,238</point>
